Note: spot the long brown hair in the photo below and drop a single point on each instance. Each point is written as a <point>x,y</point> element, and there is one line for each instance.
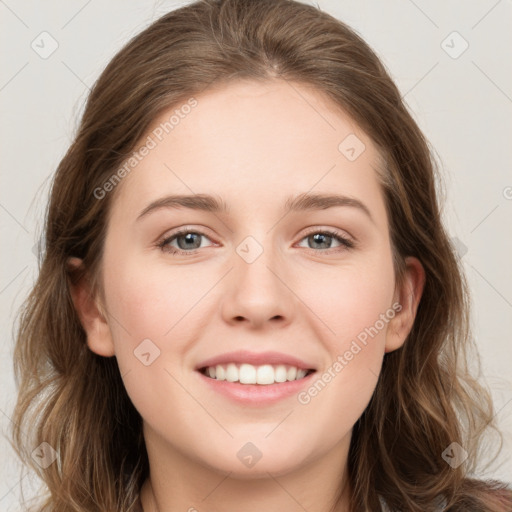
<point>75,400</point>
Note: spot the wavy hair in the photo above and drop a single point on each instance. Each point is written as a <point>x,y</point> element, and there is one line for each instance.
<point>426,397</point>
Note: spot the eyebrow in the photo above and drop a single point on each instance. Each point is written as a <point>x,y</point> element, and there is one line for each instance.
<point>215,204</point>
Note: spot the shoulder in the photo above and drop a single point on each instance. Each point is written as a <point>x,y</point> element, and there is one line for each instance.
<point>472,496</point>
<point>137,506</point>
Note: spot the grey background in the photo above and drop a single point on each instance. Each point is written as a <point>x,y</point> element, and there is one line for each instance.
<point>461,100</point>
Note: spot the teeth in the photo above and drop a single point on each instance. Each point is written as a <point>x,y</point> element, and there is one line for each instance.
<point>249,374</point>
<point>291,374</point>
<point>231,373</point>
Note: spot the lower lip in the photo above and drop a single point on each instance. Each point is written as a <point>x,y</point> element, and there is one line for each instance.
<point>257,394</point>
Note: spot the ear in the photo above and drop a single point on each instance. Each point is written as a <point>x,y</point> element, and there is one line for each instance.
<point>407,295</point>
<point>90,311</point>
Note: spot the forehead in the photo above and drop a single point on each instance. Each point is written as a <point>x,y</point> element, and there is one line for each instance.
<point>253,140</point>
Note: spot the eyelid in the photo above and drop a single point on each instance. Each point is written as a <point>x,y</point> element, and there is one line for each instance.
<point>185,229</point>
<point>347,241</point>
<point>333,231</point>
<point>173,234</point>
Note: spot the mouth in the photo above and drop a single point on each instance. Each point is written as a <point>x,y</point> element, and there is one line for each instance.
<point>264,375</point>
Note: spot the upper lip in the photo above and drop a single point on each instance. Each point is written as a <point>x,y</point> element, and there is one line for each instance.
<point>256,359</point>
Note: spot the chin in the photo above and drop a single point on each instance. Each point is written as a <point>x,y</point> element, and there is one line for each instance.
<point>240,469</point>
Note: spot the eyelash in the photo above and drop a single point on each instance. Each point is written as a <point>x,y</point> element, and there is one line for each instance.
<point>345,242</point>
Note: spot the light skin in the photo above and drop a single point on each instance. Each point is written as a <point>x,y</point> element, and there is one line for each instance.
<point>254,145</point>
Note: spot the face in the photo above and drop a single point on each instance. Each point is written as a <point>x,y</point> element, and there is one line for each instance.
<point>260,282</point>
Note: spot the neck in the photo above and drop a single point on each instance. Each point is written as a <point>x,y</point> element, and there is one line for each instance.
<point>197,488</point>
<point>153,503</point>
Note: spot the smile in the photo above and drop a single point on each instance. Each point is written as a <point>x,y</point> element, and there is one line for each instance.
<point>265,374</point>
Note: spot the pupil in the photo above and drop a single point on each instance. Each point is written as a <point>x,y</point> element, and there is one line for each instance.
<point>189,237</point>
<point>318,238</point>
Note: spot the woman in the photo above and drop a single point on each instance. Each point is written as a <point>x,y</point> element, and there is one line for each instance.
<point>233,369</point>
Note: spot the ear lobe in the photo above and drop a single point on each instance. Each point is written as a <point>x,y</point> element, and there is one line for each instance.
<point>90,312</point>
<point>408,295</point>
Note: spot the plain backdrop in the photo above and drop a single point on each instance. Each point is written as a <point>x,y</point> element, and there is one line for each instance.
<point>451,61</point>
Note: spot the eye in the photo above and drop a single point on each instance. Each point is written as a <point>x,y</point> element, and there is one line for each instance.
<point>323,240</point>
<point>188,242</point>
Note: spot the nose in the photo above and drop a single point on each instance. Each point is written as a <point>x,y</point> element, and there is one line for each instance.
<point>259,293</point>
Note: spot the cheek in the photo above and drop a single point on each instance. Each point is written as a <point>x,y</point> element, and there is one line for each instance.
<point>148,312</point>
<point>356,307</point>
<point>340,303</point>
<point>174,306</point>
<point>149,301</point>
<point>350,299</point>
<point>156,314</point>
<point>341,391</point>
